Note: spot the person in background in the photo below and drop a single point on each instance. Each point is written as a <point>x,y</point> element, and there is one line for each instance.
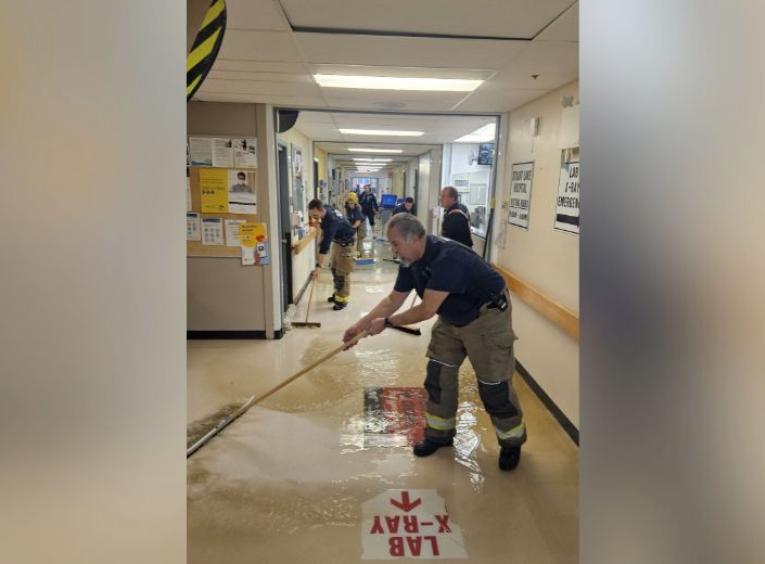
<point>456,224</point>
<point>406,207</point>
<point>369,206</point>
<point>474,321</point>
<point>356,218</point>
<point>337,233</point>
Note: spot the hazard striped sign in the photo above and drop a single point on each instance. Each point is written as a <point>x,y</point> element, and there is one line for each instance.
<point>206,46</point>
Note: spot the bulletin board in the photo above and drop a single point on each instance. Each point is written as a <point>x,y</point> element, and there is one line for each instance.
<point>196,248</point>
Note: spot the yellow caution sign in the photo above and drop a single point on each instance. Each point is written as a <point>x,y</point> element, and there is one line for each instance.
<point>206,46</point>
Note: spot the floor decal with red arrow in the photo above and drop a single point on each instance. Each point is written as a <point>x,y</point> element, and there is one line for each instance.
<point>409,524</point>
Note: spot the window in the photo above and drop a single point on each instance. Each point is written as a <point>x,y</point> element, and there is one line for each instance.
<point>473,188</point>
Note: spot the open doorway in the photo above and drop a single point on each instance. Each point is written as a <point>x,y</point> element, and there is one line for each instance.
<point>284,225</point>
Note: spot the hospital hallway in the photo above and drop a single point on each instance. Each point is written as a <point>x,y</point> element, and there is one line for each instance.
<point>322,471</point>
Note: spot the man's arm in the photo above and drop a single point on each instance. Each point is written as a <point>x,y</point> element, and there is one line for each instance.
<point>327,234</point>
<point>374,321</point>
<point>387,306</point>
<point>431,301</point>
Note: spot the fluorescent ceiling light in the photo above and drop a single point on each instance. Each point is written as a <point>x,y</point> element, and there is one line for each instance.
<point>483,134</point>
<point>382,132</point>
<point>366,150</point>
<point>396,83</point>
<point>371,160</point>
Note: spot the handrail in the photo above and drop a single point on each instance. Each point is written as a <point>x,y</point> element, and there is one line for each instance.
<point>564,318</point>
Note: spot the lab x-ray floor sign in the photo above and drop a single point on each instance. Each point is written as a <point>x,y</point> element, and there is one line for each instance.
<point>409,524</point>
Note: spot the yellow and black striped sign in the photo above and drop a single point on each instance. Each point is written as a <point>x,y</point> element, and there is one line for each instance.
<point>206,46</point>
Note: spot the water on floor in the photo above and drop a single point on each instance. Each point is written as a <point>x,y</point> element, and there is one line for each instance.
<point>322,471</point>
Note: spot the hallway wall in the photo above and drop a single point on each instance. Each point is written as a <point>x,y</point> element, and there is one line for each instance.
<point>545,258</point>
<point>303,263</point>
<point>217,288</point>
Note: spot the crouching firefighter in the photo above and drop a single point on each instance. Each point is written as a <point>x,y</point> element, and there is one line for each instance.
<point>337,233</point>
<point>474,321</point>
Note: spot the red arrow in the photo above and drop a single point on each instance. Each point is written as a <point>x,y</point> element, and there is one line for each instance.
<point>405,504</point>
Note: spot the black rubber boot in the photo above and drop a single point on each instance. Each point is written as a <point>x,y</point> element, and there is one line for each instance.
<point>509,457</point>
<point>426,447</point>
<point>340,305</point>
<point>331,299</point>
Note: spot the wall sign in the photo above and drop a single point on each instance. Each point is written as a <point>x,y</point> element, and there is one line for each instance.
<point>223,153</point>
<point>520,194</point>
<point>214,191</point>
<point>567,204</point>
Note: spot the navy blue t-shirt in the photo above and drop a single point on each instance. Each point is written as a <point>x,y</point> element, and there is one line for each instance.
<point>450,267</point>
<point>354,214</point>
<point>334,228</point>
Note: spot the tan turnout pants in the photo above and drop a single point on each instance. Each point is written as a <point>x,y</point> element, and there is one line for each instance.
<point>361,234</point>
<point>343,263</point>
<point>488,343</point>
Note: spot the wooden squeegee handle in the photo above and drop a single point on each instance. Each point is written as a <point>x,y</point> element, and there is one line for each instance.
<point>310,299</point>
<point>253,400</point>
<point>298,374</point>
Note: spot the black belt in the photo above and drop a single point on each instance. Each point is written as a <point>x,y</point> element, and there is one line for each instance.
<point>344,243</point>
<point>500,303</point>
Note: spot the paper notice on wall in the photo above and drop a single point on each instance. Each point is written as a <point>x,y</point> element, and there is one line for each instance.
<point>200,151</point>
<point>248,256</point>
<point>241,192</point>
<point>223,153</point>
<point>214,190</point>
<point>567,204</point>
<point>254,242</point>
<point>193,231</point>
<point>232,232</point>
<point>245,153</point>
<point>568,135</point>
<point>212,231</point>
<point>520,194</point>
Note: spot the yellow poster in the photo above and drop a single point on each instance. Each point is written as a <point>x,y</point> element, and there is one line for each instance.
<point>214,189</point>
<point>250,234</point>
<point>254,240</point>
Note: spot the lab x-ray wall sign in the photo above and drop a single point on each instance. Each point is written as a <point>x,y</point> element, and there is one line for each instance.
<point>567,203</point>
<point>409,524</point>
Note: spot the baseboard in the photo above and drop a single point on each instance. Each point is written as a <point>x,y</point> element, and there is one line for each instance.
<point>556,412</point>
<point>212,335</point>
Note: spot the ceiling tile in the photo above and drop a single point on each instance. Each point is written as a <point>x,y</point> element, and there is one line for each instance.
<point>291,89</point>
<point>565,28</point>
<point>259,46</point>
<point>255,14</point>
<point>321,48</point>
<point>280,100</point>
<point>391,99</point>
<point>480,18</point>
<point>499,100</point>
<point>257,66</point>
<point>295,78</point>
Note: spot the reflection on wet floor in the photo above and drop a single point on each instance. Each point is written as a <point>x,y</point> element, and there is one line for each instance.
<point>286,482</point>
